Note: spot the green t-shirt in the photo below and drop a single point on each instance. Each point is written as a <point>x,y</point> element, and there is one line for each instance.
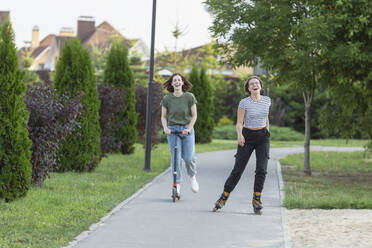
<point>178,108</point>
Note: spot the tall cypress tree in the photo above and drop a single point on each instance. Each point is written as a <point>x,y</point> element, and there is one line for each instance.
<point>202,90</point>
<point>118,73</point>
<point>15,146</point>
<point>75,74</point>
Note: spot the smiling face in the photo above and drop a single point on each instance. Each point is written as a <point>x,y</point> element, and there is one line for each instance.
<point>254,86</point>
<point>177,83</point>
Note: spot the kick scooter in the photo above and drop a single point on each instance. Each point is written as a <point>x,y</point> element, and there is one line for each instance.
<point>174,189</point>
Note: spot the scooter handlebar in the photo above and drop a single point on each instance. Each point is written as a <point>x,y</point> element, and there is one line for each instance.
<point>176,132</point>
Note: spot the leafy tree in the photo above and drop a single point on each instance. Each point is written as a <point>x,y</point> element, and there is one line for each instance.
<point>15,154</point>
<point>118,73</point>
<point>26,62</point>
<point>207,55</point>
<point>283,35</point>
<point>202,90</point>
<point>347,61</point>
<point>177,32</point>
<point>287,110</point>
<point>98,60</point>
<point>227,95</point>
<point>31,77</point>
<point>139,69</point>
<point>74,74</point>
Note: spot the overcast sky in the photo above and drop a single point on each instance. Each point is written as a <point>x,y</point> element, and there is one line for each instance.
<point>132,18</point>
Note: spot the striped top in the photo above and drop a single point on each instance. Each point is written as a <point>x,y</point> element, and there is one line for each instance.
<point>255,112</point>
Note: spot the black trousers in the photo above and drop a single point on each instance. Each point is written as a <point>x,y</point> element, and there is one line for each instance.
<point>258,140</point>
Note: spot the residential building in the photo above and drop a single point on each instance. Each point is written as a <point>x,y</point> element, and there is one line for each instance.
<point>45,52</point>
<point>3,16</point>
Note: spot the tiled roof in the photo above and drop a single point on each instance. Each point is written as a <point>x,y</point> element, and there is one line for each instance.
<point>38,51</point>
<point>47,41</point>
<point>103,32</point>
<point>101,37</point>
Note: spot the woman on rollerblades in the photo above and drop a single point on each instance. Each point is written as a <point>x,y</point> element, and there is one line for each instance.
<point>253,134</point>
<point>178,113</point>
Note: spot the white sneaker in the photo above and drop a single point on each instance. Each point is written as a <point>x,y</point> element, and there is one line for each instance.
<point>178,189</point>
<point>194,184</point>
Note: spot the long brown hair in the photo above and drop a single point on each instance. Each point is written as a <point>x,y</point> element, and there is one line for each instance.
<point>246,85</point>
<point>185,87</point>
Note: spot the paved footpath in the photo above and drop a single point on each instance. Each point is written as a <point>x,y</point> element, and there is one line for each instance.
<point>152,220</point>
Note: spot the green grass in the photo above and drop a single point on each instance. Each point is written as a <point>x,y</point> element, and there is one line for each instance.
<point>69,203</point>
<point>322,142</point>
<point>231,144</point>
<point>340,180</point>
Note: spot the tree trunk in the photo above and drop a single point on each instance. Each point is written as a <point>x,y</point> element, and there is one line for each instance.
<point>307,99</point>
<point>307,168</point>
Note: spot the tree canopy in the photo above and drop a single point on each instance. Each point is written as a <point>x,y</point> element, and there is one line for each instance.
<point>305,44</point>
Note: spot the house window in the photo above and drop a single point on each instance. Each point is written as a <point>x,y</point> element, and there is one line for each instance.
<point>41,67</point>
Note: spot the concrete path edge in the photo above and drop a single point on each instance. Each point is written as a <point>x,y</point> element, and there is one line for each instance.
<point>95,226</point>
<point>286,234</point>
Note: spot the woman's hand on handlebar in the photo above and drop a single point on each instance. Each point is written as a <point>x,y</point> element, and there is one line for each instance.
<point>186,132</point>
<point>167,131</point>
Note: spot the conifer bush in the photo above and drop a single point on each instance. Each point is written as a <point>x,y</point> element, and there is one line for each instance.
<point>202,90</point>
<point>52,118</point>
<point>118,73</point>
<point>81,151</point>
<point>15,153</point>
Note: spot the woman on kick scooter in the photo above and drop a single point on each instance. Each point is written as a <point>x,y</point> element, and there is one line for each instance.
<point>253,111</point>
<point>178,113</point>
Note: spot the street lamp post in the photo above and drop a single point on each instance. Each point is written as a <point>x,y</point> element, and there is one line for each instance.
<point>150,93</point>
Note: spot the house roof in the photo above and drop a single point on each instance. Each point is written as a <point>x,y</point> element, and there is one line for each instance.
<point>101,36</point>
<point>38,51</point>
<point>47,41</point>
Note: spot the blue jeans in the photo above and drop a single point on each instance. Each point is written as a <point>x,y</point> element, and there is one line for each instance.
<point>186,151</point>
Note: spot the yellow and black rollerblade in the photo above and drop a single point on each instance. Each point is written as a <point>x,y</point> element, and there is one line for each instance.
<point>221,201</point>
<point>256,203</point>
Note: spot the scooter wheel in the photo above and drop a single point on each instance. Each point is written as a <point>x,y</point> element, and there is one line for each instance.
<point>258,211</point>
<point>174,194</point>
